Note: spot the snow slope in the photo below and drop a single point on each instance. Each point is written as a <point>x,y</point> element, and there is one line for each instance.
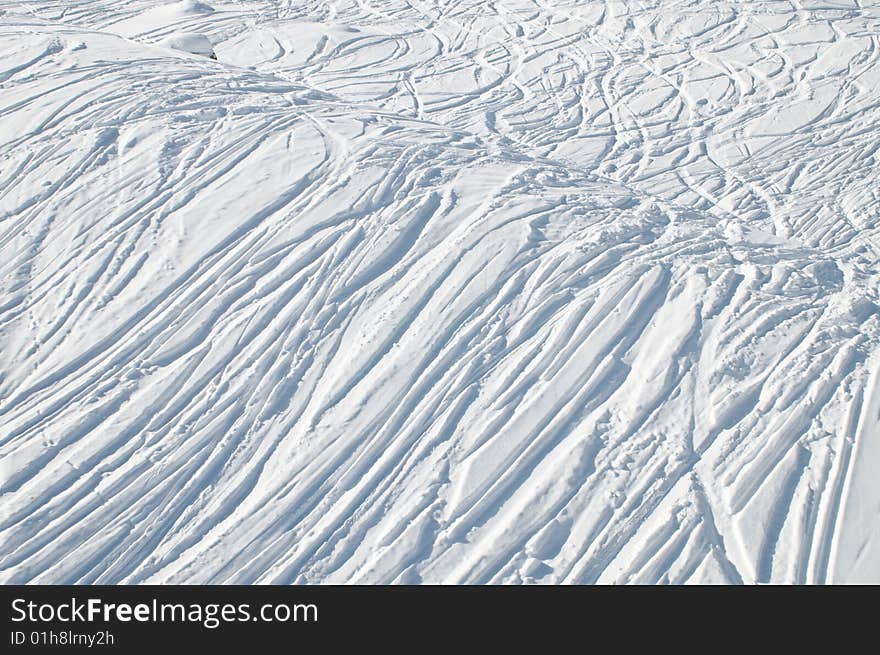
<point>460,292</point>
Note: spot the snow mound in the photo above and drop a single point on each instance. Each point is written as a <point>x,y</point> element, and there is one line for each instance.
<point>187,8</point>
<point>196,44</point>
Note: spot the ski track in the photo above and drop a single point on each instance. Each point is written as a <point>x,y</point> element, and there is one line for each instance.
<point>445,292</point>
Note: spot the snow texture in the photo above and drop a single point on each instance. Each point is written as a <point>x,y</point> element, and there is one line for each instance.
<point>541,291</point>
<point>196,44</point>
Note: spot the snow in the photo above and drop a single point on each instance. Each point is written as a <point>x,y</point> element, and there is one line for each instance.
<point>194,43</point>
<point>512,292</point>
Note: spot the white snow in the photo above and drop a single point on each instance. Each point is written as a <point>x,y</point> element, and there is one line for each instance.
<point>523,291</point>
<point>194,43</point>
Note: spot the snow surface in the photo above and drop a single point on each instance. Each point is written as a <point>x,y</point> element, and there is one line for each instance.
<point>461,292</point>
<point>193,43</point>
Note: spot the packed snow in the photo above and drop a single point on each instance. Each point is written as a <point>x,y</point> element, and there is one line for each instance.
<point>411,291</point>
<point>196,44</point>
